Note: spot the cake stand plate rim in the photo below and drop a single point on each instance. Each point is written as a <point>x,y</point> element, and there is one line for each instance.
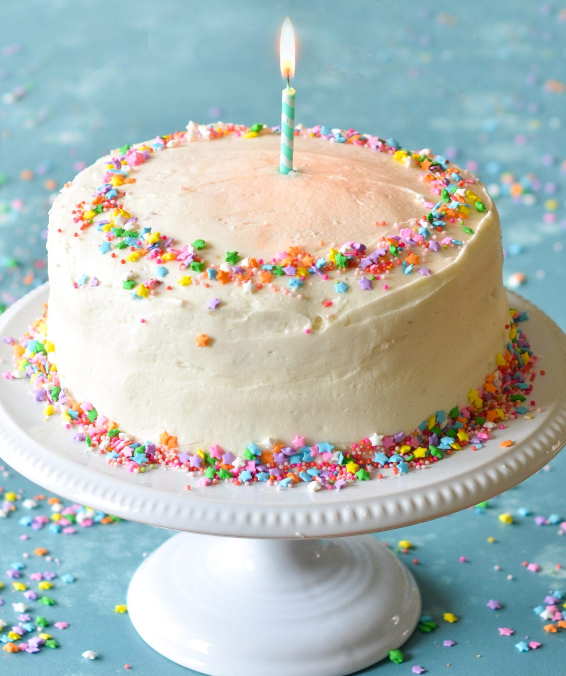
<point>56,463</point>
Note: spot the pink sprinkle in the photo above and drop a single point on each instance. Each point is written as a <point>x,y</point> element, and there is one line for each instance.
<point>142,321</point>
<point>307,330</point>
<point>533,645</point>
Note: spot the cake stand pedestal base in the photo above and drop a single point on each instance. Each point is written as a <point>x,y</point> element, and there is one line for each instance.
<point>249,607</point>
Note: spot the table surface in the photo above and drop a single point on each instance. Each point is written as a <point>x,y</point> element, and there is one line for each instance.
<point>478,83</point>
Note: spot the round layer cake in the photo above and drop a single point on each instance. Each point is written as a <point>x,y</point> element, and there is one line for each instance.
<point>195,289</point>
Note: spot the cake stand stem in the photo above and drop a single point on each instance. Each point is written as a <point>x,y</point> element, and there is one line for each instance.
<point>248,607</point>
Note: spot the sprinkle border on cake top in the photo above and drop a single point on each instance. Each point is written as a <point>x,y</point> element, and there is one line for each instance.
<point>502,397</point>
<point>126,243</point>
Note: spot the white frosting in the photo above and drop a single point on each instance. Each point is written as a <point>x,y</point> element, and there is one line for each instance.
<point>375,361</point>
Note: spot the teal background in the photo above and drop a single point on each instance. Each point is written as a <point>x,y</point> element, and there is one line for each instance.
<point>78,78</point>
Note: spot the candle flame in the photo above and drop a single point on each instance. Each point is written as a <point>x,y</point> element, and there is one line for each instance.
<point>287,49</point>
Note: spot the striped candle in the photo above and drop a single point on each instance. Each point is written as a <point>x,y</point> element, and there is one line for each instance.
<point>287,130</point>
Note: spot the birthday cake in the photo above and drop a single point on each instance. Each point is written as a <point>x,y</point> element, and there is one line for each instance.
<point>209,313</point>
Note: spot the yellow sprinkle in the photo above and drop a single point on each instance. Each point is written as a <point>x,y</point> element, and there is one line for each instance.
<point>302,272</point>
<point>11,496</point>
<point>65,417</point>
<point>500,413</point>
<point>491,539</point>
<point>431,422</point>
<point>250,134</point>
<point>152,237</point>
<point>14,636</point>
<point>134,256</point>
<point>49,347</point>
<point>352,467</point>
<point>404,449</point>
<point>142,291</point>
<point>499,360</point>
<point>471,195</point>
<point>505,518</point>
<point>450,617</point>
<point>551,205</point>
<point>332,255</point>
<point>116,180</point>
<point>464,209</point>
<point>456,446</point>
<point>200,453</point>
<point>420,452</point>
<point>463,436</point>
<point>169,257</point>
<point>525,358</point>
<point>1,585</point>
<point>405,544</point>
<point>56,517</point>
<point>49,410</point>
<point>89,214</point>
<point>44,584</point>
<point>45,637</point>
<point>19,586</point>
<point>120,609</point>
<point>185,280</point>
<point>125,214</point>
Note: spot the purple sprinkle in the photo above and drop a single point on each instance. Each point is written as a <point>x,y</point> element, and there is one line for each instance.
<point>425,272</point>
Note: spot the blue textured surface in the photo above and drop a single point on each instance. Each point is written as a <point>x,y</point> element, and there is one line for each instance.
<point>480,83</point>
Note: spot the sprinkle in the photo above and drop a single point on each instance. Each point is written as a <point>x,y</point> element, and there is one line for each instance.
<point>202,340</point>
<point>120,609</point>
<point>341,287</point>
<point>396,656</point>
<point>506,631</point>
<point>89,655</point>
<point>505,518</point>
<point>450,617</point>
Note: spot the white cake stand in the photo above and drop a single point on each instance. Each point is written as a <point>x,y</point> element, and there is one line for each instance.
<point>274,599</point>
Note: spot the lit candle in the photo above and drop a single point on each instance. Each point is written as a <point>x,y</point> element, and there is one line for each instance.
<point>287,62</point>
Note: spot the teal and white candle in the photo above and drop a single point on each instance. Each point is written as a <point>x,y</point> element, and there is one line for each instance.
<point>287,131</point>
<point>287,63</point>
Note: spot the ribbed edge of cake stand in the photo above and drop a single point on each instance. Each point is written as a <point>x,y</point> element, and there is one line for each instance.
<point>45,453</point>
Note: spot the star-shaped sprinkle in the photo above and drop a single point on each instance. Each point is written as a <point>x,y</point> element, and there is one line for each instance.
<point>248,286</point>
<point>121,608</point>
<point>195,461</point>
<point>185,280</point>
<point>450,617</point>
<point>376,439</point>
<point>522,647</point>
<point>493,605</point>
<point>365,285</point>
<point>168,440</point>
<point>298,441</point>
<point>202,340</point>
<point>228,458</point>
<point>448,643</point>
<point>533,645</point>
<point>184,457</point>
<point>381,458</point>
<point>232,257</point>
<point>212,304</point>
<point>341,287</point>
<point>505,631</point>
<point>417,669</point>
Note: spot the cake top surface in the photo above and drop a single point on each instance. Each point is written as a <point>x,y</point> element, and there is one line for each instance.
<point>215,204</point>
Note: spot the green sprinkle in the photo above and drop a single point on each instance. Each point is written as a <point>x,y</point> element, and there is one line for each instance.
<point>56,391</point>
<point>121,245</point>
<point>92,415</point>
<point>197,266</point>
<point>393,250</point>
<point>232,257</point>
<point>51,643</point>
<point>396,656</point>
<point>278,270</point>
<point>46,601</point>
<point>517,397</point>
<point>129,284</point>
<point>467,230</point>
<point>362,474</point>
<point>341,260</point>
<point>224,474</point>
<point>483,505</point>
<point>249,455</point>
<point>124,149</point>
<point>455,412</point>
<point>257,127</point>
<point>445,195</point>
<point>41,621</point>
<point>210,472</point>
<point>199,243</point>
<point>480,206</point>
<point>113,433</point>
<point>88,441</point>
<point>480,420</point>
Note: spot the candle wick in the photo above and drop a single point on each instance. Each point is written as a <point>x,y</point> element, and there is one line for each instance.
<point>288,79</point>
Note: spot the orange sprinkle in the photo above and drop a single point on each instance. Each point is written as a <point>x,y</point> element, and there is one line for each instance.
<point>40,551</point>
<point>202,340</point>
<point>506,444</point>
